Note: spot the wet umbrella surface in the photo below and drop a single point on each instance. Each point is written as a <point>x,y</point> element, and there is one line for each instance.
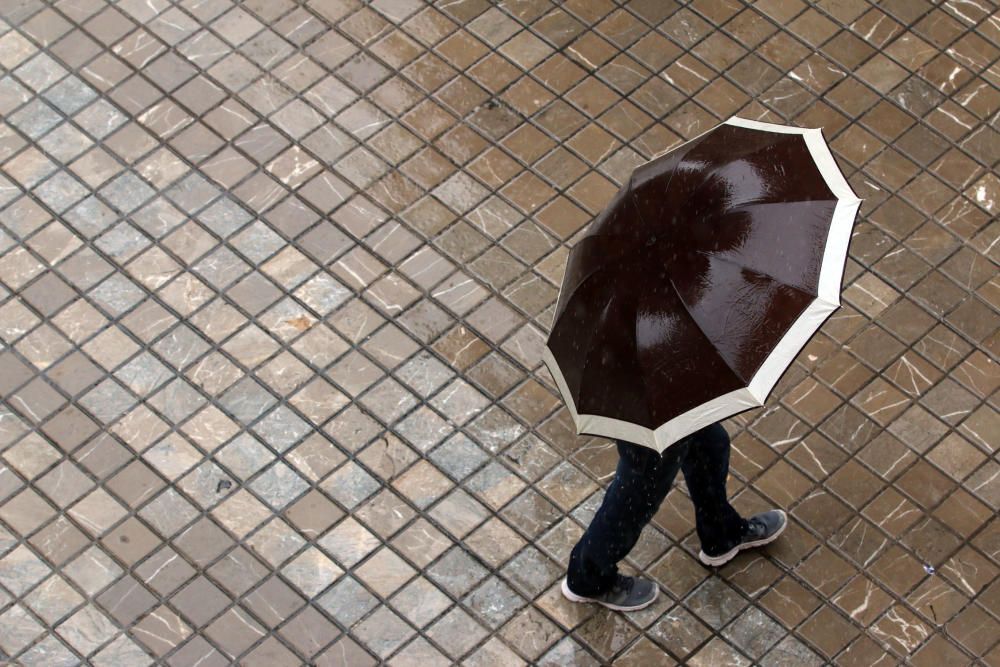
<point>694,290</point>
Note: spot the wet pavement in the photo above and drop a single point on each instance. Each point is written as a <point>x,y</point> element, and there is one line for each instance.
<point>274,283</point>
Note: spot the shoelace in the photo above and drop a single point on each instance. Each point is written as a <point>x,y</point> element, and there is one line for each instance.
<point>756,528</point>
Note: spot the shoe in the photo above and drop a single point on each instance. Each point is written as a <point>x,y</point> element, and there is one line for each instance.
<point>761,529</point>
<point>628,594</point>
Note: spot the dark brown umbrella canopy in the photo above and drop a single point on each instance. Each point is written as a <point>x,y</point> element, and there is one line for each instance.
<point>688,280</point>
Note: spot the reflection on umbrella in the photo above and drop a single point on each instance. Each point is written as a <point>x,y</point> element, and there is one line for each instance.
<point>696,287</point>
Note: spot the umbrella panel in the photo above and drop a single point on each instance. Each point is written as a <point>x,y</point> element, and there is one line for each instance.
<point>740,311</point>
<point>674,195</point>
<point>668,339</point>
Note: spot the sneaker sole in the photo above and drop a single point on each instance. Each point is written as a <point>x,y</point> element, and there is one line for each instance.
<point>573,597</point>
<point>718,561</point>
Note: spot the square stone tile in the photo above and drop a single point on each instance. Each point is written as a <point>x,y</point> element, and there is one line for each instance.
<point>494,602</point>
<point>346,651</point>
<point>384,631</point>
<point>388,400</point>
<point>313,513</point>
<point>273,602</point>
<point>387,456</point>
<point>678,572</point>
<point>238,572</point>
<point>200,601</point>
<point>276,542</point>
<point>494,542</point>
<point>457,572</point>
<point>494,428</point>
<point>715,603</point>
<point>97,512</point>
<point>530,457</point>
<point>420,651</point>
<point>23,629</point>
<point>93,570</point>
<point>566,485</point>
<point>459,513</point>
<point>422,484</point>
<point>53,599</point>
<point>462,450</point>
<point>234,632</point>
<point>530,633</point>
<point>495,484</point>
<point>753,632</point>
<point>421,542</point>
<point>385,513</point>
<point>271,652</point>
<point>566,613</point>
<point>203,542</point>
<point>308,632</point>
<point>348,542</point>
<point>26,511</point>
<point>311,572</point>
<point>164,571</point>
<point>530,513</point>
<point>457,632</point>
<point>385,572</point>
<point>349,485</point>
<point>420,601</point>
<point>87,629</point>
<point>531,571</point>
<point>279,485</point>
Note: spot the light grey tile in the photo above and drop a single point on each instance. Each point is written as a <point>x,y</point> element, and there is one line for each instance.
<point>349,485</point>
<point>347,601</point>
<point>279,485</point>
<point>20,629</point>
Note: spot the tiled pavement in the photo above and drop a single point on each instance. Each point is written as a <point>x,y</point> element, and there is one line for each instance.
<point>274,281</point>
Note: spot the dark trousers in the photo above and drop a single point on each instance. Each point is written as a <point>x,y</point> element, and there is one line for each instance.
<point>641,482</point>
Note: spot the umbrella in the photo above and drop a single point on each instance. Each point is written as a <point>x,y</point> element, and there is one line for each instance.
<point>692,292</point>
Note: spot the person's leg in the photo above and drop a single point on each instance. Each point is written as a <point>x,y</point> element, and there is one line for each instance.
<point>706,466</point>
<point>641,482</point>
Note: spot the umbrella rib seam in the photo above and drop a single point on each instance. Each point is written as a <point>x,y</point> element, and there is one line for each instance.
<point>586,279</point>
<point>704,335</point>
<point>635,332</point>
<point>761,273</point>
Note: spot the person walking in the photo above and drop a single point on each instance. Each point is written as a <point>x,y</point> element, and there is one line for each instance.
<point>642,479</point>
<point>687,299</point>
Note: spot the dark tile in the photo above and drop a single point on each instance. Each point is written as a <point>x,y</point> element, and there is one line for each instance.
<point>234,632</point>
<point>828,631</point>
<point>309,631</point>
<point>273,602</point>
<point>200,601</point>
